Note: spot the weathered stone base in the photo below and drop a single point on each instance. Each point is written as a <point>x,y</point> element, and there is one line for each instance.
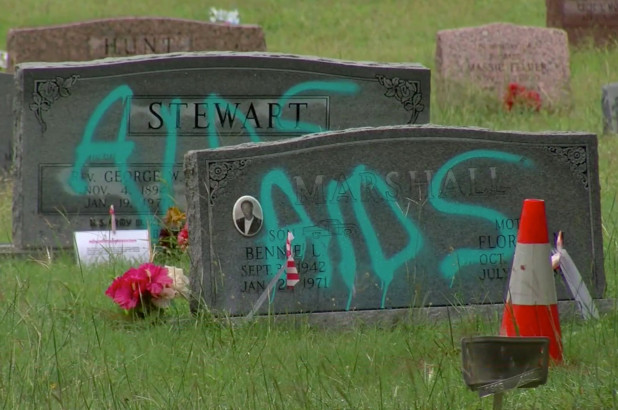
<point>389,317</point>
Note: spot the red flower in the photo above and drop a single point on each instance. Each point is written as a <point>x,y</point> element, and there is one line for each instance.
<point>157,278</point>
<point>139,285</point>
<point>183,237</point>
<point>518,95</point>
<point>121,291</point>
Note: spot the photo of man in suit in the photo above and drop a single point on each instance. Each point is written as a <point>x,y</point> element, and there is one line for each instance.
<point>249,224</point>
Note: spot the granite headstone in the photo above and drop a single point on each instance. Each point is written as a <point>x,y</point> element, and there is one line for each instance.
<point>386,217</point>
<point>114,131</point>
<point>128,36</point>
<point>6,122</point>
<point>609,104</point>
<point>493,56</point>
<point>585,20</point>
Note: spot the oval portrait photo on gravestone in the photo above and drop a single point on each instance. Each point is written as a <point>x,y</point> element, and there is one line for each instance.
<point>248,216</point>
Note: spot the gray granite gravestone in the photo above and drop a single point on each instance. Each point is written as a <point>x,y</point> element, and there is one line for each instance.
<point>6,122</point>
<point>609,104</point>
<point>493,56</point>
<point>385,217</point>
<point>114,131</point>
<point>128,36</point>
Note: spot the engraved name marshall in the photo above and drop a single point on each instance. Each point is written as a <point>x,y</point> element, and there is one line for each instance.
<point>400,185</point>
<point>228,114</point>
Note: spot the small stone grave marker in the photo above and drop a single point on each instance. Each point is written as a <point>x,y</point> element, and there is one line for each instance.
<point>114,131</point>
<point>609,104</point>
<point>585,19</point>
<point>494,55</point>
<point>128,36</point>
<point>387,217</point>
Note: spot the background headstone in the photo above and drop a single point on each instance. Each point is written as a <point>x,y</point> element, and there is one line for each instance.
<point>609,104</point>
<point>7,87</point>
<point>387,217</point>
<point>114,131</point>
<point>585,19</point>
<point>128,36</point>
<point>492,56</point>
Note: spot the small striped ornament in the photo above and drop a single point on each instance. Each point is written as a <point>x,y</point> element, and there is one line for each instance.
<point>291,272</point>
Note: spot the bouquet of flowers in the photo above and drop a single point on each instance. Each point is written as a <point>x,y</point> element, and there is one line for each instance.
<point>224,16</point>
<point>519,96</point>
<point>174,234</point>
<point>148,288</point>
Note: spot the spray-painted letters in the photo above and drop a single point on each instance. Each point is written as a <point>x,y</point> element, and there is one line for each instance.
<point>332,234</point>
<point>214,117</point>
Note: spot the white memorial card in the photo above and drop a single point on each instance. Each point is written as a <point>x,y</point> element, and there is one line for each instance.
<point>102,246</point>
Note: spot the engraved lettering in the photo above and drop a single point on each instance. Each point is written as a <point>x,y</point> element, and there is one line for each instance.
<point>315,196</point>
<point>200,115</point>
<point>157,115</point>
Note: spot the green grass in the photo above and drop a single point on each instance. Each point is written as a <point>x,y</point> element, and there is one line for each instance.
<point>65,345</point>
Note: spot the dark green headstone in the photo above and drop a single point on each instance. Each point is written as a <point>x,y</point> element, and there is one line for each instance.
<point>113,131</point>
<point>387,217</point>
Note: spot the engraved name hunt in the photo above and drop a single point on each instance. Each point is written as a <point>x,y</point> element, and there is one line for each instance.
<point>138,44</point>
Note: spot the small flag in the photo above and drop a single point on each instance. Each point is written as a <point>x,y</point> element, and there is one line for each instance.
<point>112,214</point>
<point>291,277</point>
<point>574,280</point>
<point>291,272</point>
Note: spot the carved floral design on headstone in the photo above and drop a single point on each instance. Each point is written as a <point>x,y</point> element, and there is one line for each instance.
<point>47,92</point>
<point>576,158</point>
<point>219,172</point>
<point>406,92</point>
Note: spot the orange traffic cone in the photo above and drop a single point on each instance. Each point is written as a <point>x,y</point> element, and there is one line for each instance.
<point>531,307</point>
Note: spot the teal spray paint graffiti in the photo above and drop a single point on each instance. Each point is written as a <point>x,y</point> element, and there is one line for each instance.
<point>277,179</point>
<point>339,87</point>
<point>347,261</point>
<point>460,258</point>
<point>212,101</point>
<point>167,188</point>
<point>120,151</point>
<point>385,268</point>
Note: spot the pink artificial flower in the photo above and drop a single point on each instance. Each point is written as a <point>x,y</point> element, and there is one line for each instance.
<point>139,284</point>
<point>183,237</point>
<point>157,278</point>
<point>124,292</point>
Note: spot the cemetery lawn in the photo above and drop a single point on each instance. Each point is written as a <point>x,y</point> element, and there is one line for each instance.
<point>64,344</point>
